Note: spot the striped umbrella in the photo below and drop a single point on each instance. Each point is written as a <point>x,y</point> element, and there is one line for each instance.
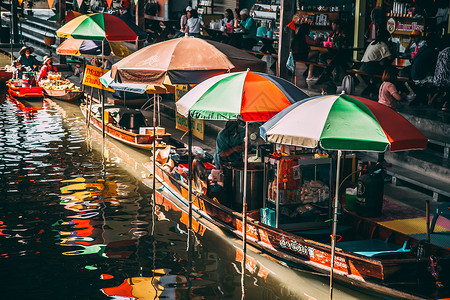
<point>248,95</point>
<point>76,47</point>
<point>99,26</point>
<point>342,122</point>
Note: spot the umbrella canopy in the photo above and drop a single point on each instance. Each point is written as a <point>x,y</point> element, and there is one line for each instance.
<point>76,47</point>
<point>249,95</point>
<point>98,26</point>
<point>343,122</point>
<point>185,60</point>
<point>70,15</point>
<point>165,88</point>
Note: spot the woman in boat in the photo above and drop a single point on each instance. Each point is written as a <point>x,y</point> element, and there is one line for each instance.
<point>46,68</point>
<point>28,60</point>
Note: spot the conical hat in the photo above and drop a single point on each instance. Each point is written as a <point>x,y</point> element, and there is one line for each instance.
<point>24,48</point>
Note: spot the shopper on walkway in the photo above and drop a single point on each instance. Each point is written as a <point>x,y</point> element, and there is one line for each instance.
<point>183,23</point>
<point>194,23</point>
<point>301,50</point>
<point>228,21</point>
<point>376,57</point>
<point>248,27</point>
<point>442,75</point>
<point>388,94</point>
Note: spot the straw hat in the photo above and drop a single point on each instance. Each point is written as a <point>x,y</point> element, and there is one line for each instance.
<point>47,58</point>
<point>24,48</point>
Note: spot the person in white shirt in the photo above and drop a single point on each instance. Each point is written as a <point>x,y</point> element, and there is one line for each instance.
<point>376,56</point>
<point>375,59</point>
<point>194,23</point>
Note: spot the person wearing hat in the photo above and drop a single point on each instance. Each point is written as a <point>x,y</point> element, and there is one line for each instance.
<point>27,59</point>
<point>46,68</point>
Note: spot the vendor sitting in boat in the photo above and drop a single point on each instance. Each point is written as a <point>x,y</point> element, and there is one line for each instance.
<point>47,68</point>
<point>27,59</point>
<point>229,144</point>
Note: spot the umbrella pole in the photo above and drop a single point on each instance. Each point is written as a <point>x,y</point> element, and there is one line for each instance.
<point>190,168</point>
<point>154,149</point>
<point>103,98</point>
<point>244,205</point>
<point>334,225</point>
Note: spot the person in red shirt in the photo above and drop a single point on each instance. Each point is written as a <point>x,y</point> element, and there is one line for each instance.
<point>46,68</point>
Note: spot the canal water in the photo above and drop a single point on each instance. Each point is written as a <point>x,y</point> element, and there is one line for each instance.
<point>77,221</point>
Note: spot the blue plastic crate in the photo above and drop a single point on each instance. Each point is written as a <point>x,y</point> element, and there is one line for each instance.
<point>268,216</point>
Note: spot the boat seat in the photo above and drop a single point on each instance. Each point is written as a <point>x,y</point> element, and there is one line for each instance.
<point>373,247</point>
<point>323,234</point>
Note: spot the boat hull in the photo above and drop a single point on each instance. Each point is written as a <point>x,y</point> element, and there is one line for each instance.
<point>64,95</point>
<point>5,76</point>
<point>140,141</point>
<point>376,275</point>
<point>28,93</point>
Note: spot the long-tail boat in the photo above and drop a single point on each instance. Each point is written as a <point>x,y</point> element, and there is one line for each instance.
<point>125,125</point>
<point>22,92</point>
<point>370,256</point>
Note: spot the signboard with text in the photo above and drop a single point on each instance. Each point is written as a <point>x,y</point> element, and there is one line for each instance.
<point>198,126</point>
<point>92,77</point>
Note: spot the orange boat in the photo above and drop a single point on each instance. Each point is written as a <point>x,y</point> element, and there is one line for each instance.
<point>20,92</point>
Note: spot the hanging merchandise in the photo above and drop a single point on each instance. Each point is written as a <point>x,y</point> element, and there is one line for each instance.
<point>50,3</point>
<point>80,2</point>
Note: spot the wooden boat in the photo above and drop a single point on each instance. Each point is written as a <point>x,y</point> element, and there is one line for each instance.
<point>29,93</point>
<point>130,129</point>
<point>371,257</point>
<point>65,95</point>
<point>5,75</point>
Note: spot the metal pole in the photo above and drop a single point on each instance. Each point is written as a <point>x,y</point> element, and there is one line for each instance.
<point>190,168</point>
<point>103,100</point>
<point>244,208</point>
<point>154,149</point>
<point>334,225</point>
<point>427,212</point>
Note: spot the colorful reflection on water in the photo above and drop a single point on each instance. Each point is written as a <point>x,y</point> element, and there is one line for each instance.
<point>74,224</point>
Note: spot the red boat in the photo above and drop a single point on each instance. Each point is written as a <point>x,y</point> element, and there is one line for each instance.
<point>5,76</point>
<point>371,257</point>
<point>29,93</point>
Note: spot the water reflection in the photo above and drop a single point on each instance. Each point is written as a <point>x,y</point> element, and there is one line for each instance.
<point>74,224</point>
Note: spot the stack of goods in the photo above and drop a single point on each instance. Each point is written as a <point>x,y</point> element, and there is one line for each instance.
<point>314,191</point>
<point>59,85</point>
